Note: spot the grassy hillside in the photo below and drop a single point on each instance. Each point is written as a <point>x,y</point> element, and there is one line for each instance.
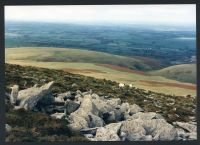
<point>37,57</point>
<point>78,55</point>
<point>183,72</point>
<point>181,110</point>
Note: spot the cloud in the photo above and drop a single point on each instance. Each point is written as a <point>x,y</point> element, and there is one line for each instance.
<point>142,14</point>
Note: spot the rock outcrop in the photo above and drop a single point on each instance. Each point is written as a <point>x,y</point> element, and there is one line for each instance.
<point>29,98</point>
<point>86,116</point>
<point>108,133</point>
<point>100,118</point>
<point>186,130</point>
<point>14,94</point>
<point>8,128</point>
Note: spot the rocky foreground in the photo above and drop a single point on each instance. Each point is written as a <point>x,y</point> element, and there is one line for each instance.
<point>100,118</point>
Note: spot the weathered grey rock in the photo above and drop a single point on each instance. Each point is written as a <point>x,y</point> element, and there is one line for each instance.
<point>77,123</point>
<point>88,135</point>
<point>138,129</point>
<point>78,98</point>
<point>29,98</point>
<point>146,116</point>
<point>160,129</point>
<point>95,96</point>
<point>111,117</point>
<point>95,121</point>
<point>59,100</point>
<point>47,99</point>
<point>88,106</point>
<point>182,135</point>
<point>87,93</point>
<point>187,126</point>
<point>58,115</point>
<point>66,96</point>
<point>14,94</point>
<point>101,105</point>
<point>125,107</point>
<point>86,116</point>
<point>107,108</point>
<point>186,130</point>
<point>8,128</point>
<point>51,108</point>
<point>108,133</point>
<point>147,138</point>
<point>133,130</point>
<point>135,109</point>
<point>114,102</point>
<point>78,92</point>
<point>74,85</point>
<point>126,115</point>
<point>89,130</point>
<point>192,136</point>
<point>71,106</point>
<point>118,115</point>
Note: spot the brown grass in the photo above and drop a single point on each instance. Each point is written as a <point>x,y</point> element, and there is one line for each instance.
<point>155,83</point>
<point>124,69</point>
<point>82,70</point>
<point>149,61</point>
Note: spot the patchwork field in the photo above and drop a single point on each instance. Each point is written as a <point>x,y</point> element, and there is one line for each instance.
<point>99,65</point>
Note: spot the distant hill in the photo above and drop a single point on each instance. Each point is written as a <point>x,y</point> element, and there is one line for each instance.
<point>183,72</point>
<point>168,46</point>
<point>99,65</point>
<point>47,54</point>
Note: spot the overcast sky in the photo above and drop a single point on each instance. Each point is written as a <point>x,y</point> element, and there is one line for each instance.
<point>131,14</point>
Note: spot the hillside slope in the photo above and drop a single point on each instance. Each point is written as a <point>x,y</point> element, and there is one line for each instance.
<point>77,55</point>
<point>183,73</point>
<point>40,125</point>
<point>27,77</point>
<point>74,61</point>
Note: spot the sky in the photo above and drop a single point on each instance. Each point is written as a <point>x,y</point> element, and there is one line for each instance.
<point>184,15</point>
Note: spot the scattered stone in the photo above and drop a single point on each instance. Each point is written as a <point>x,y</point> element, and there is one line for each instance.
<point>65,96</point>
<point>138,129</point>
<point>47,100</point>
<point>100,118</point>
<point>89,130</point>
<point>86,116</point>
<point>29,98</point>
<point>146,116</point>
<point>14,94</point>
<point>71,106</point>
<point>111,117</point>
<point>125,107</point>
<point>95,121</point>
<point>101,105</point>
<point>186,126</point>
<point>108,133</point>
<point>135,109</point>
<point>114,102</point>
<point>74,85</point>
<point>88,135</point>
<point>133,130</point>
<point>59,99</point>
<point>58,115</point>
<point>186,130</point>
<point>8,128</point>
